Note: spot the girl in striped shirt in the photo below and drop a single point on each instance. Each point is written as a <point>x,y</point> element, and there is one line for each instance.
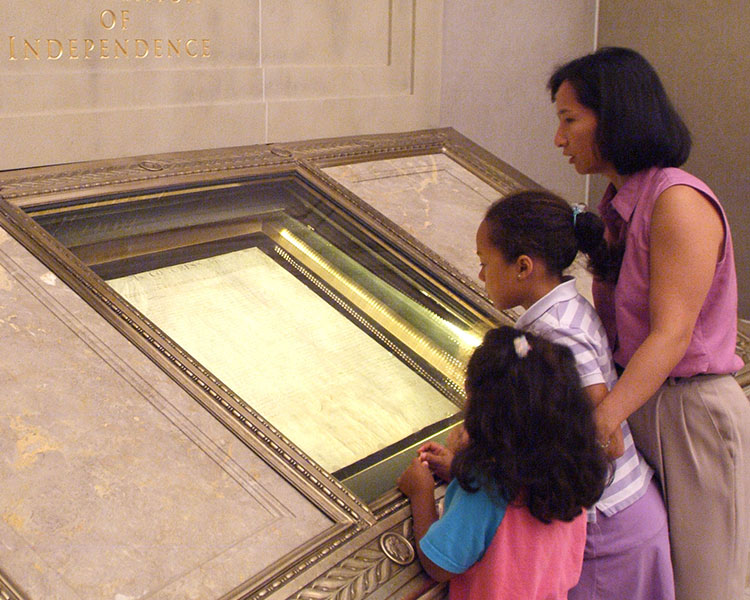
<point>524,243</point>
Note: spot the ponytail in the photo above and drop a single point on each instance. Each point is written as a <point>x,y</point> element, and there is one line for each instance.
<point>544,226</point>
<point>604,259</point>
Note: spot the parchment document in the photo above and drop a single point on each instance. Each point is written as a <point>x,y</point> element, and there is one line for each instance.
<point>323,382</point>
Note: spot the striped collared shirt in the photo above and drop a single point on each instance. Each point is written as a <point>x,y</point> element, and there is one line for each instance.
<point>565,317</point>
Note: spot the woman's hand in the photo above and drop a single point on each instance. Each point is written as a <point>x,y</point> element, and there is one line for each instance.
<point>608,432</point>
<point>610,436</point>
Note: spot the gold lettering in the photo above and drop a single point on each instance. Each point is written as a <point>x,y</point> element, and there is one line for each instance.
<point>125,17</point>
<point>187,48</point>
<point>144,45</point>
<point>55,49</point>
<point>58,51</point>
<point>34,51</point>
<point>123,49</point>
<point>107,19</point>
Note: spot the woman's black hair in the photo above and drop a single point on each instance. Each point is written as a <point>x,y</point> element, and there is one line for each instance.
<point>542,225</point>
<point>531,432</point>
<point>638,127</point>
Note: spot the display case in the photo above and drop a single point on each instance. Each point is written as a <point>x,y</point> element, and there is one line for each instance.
<point>223,359</point>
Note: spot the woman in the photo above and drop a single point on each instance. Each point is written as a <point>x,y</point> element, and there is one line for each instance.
<point>668,298</point>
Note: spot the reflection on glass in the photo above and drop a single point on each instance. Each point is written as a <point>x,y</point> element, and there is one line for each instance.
<point>427,195</point>
<point>330,387</point>
<point>347,349</point>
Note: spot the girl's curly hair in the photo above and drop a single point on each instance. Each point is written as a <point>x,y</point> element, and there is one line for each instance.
<point>532,437</point>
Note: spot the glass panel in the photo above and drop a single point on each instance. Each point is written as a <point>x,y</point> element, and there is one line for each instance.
<point>428,196</point>
<point>352,353</point>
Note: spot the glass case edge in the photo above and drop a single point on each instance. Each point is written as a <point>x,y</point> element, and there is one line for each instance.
<point>60,182</point>
<point>406,244</point>
<point>270,445</point>
<point>344,572</point>
<point>7,590</point>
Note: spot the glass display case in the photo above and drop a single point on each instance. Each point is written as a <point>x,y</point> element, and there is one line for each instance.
<point>349,350</point>
<point>272,327</point>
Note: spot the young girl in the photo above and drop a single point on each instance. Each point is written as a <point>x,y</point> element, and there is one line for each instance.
<point>524,243</point>
<point>513,524</point>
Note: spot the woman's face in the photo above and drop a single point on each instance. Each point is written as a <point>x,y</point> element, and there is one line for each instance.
<point>500,276</point>
<point>576,133</point>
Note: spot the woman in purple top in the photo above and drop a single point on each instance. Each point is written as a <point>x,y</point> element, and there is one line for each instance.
<point>667,294</point>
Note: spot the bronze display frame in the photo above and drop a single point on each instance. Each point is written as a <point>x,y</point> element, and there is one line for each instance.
<point>347,557</point>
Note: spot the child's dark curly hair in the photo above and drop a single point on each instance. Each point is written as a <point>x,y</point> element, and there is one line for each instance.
<point>532,437</point>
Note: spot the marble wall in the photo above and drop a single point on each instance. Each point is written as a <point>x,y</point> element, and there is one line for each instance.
<point>710,88</point>
<point>493,86</point>
<point>494,80</point>
<point>115,78</point>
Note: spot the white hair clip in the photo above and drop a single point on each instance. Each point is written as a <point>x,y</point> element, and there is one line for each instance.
<point>521,345</point>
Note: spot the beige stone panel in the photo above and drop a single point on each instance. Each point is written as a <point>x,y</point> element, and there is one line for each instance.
<point>364,52</point>
<point>286,83</point>
<point>60,92</point>
<point>310,32</point>
<point>419,108</point>
<point>232,27</point>
<point>427,59</point>
<point>71,103</point>
<point>352,74</point>
<point>493,80</point>
<point>307,119</point>
<point>427,196</point>
<point>116,483</point>
<point>72,136</point>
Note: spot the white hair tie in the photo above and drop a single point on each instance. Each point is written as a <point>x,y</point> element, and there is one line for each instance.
<point>521,345</point>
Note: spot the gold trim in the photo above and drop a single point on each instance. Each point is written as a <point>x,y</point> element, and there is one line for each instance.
<point>8,591</point>
<point>360,574</point>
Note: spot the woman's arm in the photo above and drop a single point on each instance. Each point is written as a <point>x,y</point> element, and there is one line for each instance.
<point>687,236</point>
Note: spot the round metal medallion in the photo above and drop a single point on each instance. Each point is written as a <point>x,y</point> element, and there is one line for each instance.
<point>283,152</point>
<point>397,548</point>
<point>151,165</point>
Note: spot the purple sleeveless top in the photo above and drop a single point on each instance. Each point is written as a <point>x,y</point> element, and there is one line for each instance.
<point>624,308</point>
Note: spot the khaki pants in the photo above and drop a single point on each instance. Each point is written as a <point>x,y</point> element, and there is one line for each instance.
<point>695,433</point>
